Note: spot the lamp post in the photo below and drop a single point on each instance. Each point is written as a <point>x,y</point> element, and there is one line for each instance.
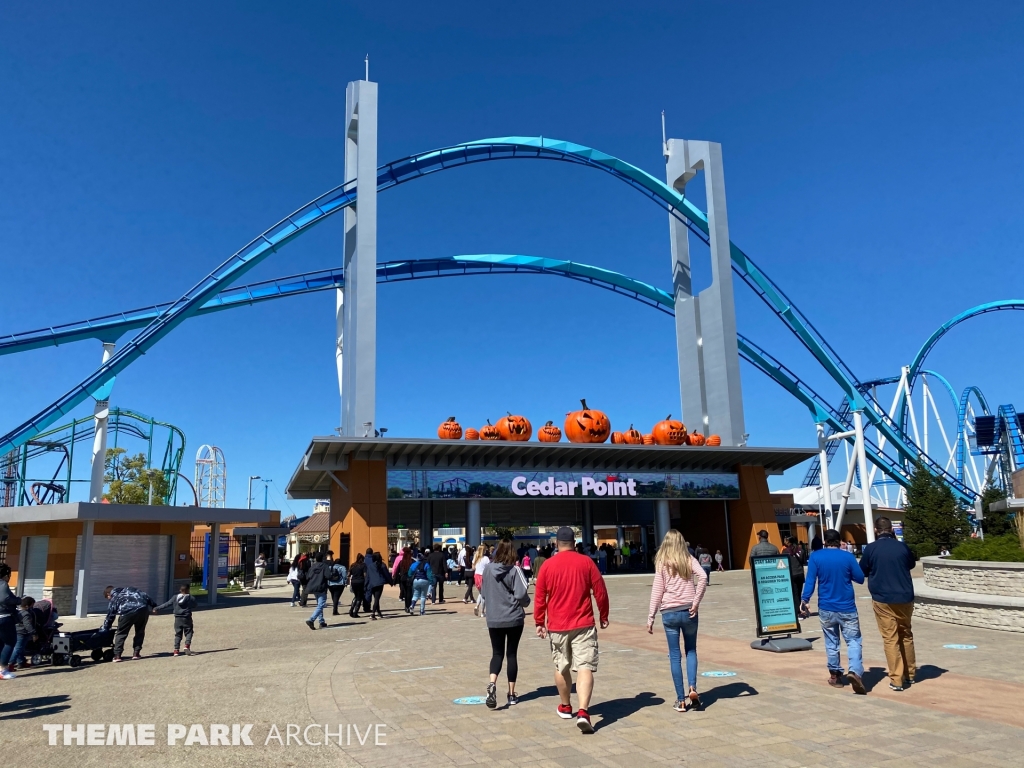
<point>248,500</point>
<point>266,485</point>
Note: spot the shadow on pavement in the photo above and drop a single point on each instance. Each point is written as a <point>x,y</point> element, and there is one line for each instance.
<point>728,691</point>
<point>540,693</point>
<point>879,676</point>
<point>616,709</point>
<point>41,706</point>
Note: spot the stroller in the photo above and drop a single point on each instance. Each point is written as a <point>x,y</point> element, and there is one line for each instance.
<point>62,647</point>
<point>44,615</point>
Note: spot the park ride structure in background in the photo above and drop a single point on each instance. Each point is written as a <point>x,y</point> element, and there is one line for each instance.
<point>897,442</point>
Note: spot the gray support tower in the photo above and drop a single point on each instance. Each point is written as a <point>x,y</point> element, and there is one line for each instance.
<point>357,301</point>
<point>709,363</point>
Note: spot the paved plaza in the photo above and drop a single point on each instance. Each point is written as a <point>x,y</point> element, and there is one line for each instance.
<point>258,663</point>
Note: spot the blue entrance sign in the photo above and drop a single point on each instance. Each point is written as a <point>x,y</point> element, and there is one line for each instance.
<point>773,595</point>
<point>222,562</point>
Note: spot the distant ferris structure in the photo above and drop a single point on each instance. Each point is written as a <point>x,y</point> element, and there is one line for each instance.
<point>211,476</point>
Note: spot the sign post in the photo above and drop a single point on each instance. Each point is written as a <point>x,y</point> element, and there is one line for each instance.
<point>774,606</point>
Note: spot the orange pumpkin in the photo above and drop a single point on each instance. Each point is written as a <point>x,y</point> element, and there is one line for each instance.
<point>648,439</point>
<point>514,428</point>
<point>632,436</point>
<point>714,440</point>
<point>449,429</point>
<point>669,431</point>
<point>618,438</point>
<point>695,438</point>
<point>587,425</point>
<point>549,433</point>
<point>489,432</point>
<point>472,434</point>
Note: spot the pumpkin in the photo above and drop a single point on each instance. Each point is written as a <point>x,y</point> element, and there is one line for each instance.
<point>714,440</point>
<point>515,428</point>
<point>695,438</point>
<point>632,436</point>
<point>587,425</point>
<point>618,438</point>
<point>549,433</point>
<point>668,431</point>
<point>472,434</point>
<point>648,439</point>
<point>449,429</point>
<point>489,432</point>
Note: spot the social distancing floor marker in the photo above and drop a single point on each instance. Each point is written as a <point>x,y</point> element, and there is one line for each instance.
<point>717,673</point>
<point>960,647</point>
<point>351,639</point>
<point>470,700</point>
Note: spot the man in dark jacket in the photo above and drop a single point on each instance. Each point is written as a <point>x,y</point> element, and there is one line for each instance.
<point>438,562</point>
<point>887,563</point>
<point>131,606</point>
<point>763,548</point>
<point>316,585</point>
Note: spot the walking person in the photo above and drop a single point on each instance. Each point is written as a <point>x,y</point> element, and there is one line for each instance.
<point>887,563</point>
<point>466,564</point>
<point>337,576</point>
<point>316,585</point>
<point>564,613</point>
<point>261,569</point>
<point>420,576</point>
<point>763,548</point>
<point>676,596</point>
<point>505,588</point>
<point>182,604</point>
<point>131,606</point>
<point>293,579</point>
<point>398,569</point>
<point>357,583</point>
<point>704,560</point>
<point>835,570</point>
<point>377,575</point>
<point>8,623</point>
<point>718,560</point>
<point>305,563</point>
<point>438,562</point>
<point>796,568</point>
<point>480,561</point>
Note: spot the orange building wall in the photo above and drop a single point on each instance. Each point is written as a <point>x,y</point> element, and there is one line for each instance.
<point>361,511</point>
<point>750,513</point>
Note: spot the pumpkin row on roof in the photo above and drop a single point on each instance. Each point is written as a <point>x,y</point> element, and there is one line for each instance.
<point>586,425</point>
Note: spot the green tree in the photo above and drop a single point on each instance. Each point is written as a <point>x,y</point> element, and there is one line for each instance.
<point>995,523</point>
<point>932,518</point>
<point>504,532</point>
<point>128,479</point>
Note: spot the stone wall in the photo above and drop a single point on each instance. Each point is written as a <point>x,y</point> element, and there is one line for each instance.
<point>975,577</point>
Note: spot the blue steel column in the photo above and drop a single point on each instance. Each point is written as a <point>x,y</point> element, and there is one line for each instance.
<point>708,352</point>
<point>357,301</point>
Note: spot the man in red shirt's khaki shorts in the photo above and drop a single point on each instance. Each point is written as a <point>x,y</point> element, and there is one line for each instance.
<point>564,613</point>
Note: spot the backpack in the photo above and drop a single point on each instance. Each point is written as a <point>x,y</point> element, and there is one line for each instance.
<point>339,573</point>
<point>423,570</point>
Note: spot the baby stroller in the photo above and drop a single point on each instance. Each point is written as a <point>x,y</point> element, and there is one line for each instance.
<point>44,616</point>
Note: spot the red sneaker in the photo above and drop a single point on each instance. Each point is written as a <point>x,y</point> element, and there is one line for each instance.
<point>176,652</point>
<point>583,721</point>
<point>565,711</point>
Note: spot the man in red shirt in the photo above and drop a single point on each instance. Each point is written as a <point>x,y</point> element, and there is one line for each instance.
<point>564,613</point>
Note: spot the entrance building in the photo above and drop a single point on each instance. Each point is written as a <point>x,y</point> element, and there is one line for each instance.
<point>718,497</point>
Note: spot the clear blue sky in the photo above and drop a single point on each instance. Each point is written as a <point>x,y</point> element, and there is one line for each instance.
<point>873,157</point>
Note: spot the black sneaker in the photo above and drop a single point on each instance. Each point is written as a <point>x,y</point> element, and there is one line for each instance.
<point>310,624</point>
<point>492,696</point>
<point>896,687</point>
<point>512,699</point>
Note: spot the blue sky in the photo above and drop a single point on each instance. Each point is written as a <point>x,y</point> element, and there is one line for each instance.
<point>872,154</point>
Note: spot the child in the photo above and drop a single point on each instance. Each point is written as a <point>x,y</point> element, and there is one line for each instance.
<point>183,604</point>
<point>26,632</point>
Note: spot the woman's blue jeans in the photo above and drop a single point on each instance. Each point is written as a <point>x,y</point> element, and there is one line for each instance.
<point>679,623</point>
<point>419,594</point>
<point>8,639</point>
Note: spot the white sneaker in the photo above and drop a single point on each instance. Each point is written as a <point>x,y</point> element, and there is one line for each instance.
<point>7,675</point>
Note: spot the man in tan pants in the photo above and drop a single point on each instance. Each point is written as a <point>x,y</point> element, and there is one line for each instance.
<point>887,563</point>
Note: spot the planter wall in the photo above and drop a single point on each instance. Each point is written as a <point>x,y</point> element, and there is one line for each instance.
<point>974,594</point>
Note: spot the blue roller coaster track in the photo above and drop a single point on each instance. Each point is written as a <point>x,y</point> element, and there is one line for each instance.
<point>416,166</point>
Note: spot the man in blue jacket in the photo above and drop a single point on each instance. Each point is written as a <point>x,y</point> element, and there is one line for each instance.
<point>887,563</point>
<point>834,571</point>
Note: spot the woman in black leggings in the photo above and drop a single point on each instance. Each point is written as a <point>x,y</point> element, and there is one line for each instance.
<point>505,591</point>
<point>466,571</point>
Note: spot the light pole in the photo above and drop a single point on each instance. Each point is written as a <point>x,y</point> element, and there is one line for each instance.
<point>266,485</point>
<point>248,500</point>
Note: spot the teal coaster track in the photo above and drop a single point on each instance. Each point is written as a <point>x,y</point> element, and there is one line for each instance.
<point>199,297</point>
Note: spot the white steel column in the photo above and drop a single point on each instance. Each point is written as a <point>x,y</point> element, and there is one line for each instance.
<point>356,306</point>
<point>473,523</point>
<point>865,478</point>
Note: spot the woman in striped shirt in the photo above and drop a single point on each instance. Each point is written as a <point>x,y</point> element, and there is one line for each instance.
<point>679,584</point>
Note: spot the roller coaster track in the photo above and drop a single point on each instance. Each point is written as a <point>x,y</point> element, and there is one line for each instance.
<point>416,166</point>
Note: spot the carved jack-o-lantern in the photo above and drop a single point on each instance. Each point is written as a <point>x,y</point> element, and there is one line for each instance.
<point>648,439</point>
<point>714,440</point>
<point>515,428</point>
<point>632,436</point>
<point>618,438</point>
<point>549,433</point>
<point>472,434</point>
<point>669,432</point>
<point>695,438</point>
<point>489,432</point>
<point>587,425</point>
<point>449,429</point>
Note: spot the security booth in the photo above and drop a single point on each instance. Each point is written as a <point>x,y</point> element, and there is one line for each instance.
<point>717,496</point>
<point>68,553</point>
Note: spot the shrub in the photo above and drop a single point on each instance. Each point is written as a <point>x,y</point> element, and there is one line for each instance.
<point>993,549</point>
<point>931,517</point>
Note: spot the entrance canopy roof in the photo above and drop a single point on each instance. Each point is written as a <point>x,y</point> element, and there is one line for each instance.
<point>135,513</point>
<point>311,480</point>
